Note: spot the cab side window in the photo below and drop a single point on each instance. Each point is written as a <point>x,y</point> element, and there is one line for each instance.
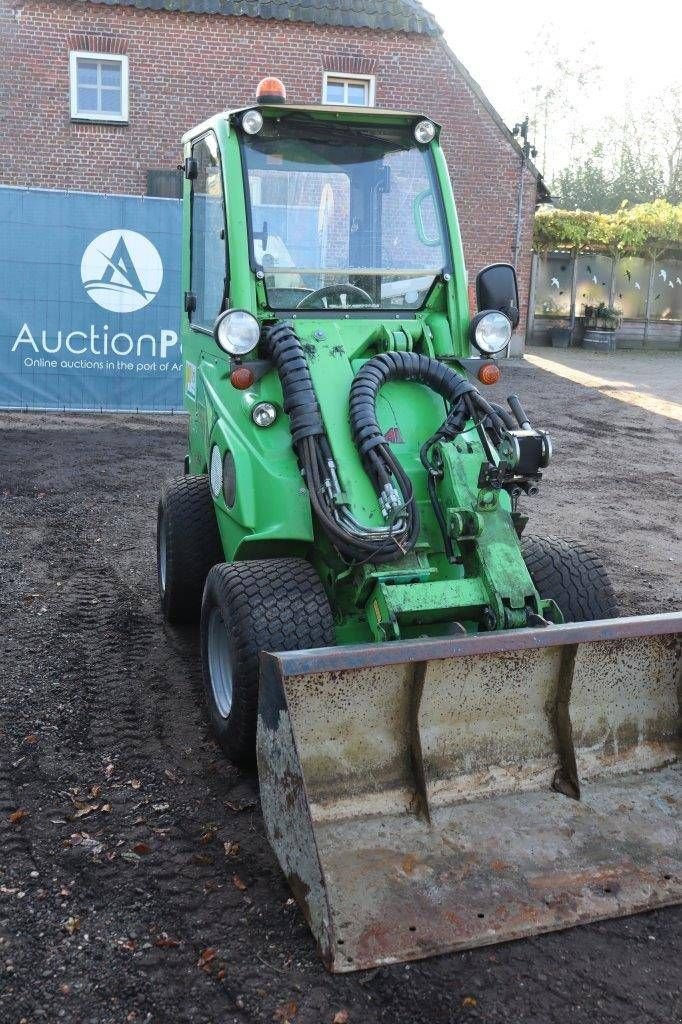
<point>208,256</point>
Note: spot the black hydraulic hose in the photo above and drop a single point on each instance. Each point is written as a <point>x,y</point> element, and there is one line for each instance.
<point>396,366</point>
<point>392,484</point>
<point>463,398</point>
<point>505,416</point>
<point>311,445</point>
<point>300,402</point>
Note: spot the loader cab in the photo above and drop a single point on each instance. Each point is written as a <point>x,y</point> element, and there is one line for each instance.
<point>343,217</point>
<point>318,212</point>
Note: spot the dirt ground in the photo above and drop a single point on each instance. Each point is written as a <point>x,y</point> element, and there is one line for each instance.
<point>119,900</point>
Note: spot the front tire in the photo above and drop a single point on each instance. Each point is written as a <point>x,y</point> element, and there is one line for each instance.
<point>187,545</point>
<point>571,574</point>
<point>275,604</point>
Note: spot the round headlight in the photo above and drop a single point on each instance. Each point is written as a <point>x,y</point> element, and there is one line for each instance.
<point>425,132</point>
<point>490,331</point>
<point>236,331</point>
<point>252,122</point>
<point>264,414</point>
<point>215,471</point>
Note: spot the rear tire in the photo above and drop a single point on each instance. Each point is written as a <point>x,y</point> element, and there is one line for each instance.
<point>187,545</point>
<point>572,575</point>
<point>276,604</point>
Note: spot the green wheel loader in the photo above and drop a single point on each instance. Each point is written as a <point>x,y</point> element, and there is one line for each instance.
<point>458,741</point>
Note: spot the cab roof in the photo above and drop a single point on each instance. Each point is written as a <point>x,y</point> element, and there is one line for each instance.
<point>345,112</point>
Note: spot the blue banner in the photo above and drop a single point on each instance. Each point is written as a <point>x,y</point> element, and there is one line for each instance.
<point>89,302</point>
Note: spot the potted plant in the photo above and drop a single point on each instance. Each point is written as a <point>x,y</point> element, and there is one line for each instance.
<point>601,323</point>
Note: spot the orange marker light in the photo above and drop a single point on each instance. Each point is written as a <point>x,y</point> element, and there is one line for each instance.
<point>271,90</point>
<point>241,378</point>
<point>489,374</point>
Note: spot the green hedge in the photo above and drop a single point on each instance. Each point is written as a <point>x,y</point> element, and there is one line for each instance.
<point>649,229</point>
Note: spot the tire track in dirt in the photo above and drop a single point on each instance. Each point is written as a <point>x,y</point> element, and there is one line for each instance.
<point>107,682</point>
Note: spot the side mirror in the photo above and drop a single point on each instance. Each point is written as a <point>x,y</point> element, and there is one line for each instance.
<point>497,288</point>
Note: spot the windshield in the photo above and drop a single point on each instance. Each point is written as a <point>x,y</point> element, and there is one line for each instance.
<point>343,216</point>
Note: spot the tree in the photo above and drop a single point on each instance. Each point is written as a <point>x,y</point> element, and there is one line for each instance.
<point>558,79</point>
<point>637,159</point>
<point>594,183</point>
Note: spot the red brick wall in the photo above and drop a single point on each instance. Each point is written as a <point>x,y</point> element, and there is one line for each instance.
<point>184,68</point>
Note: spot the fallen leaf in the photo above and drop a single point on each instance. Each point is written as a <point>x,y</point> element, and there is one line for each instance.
<point>7,891</point>
<point>106,808</point>
<point>238,883</point>
<point>221,974</point>
<point>65,989</point>
<point>134,783</point>
<point>72,925</point>
<point>341,1017</point>
<point>164,941</point>
<point>231,848</point>
<point>88,842</point>
<point>94,791</point>
<point>286,1012</point>
<point>469,1001</point>
<point>206,957</point>
<point>128,944</point>
<point>142,849</point>
<point>18,815</point>
<point>207,836</point>
<point>202,858</point>
<point>31,738</point>
<point>64,891</point>
<point>84,810</point>
<point>109,771</point>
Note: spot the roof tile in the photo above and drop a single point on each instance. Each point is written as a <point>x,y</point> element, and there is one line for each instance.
<point>396,15</point>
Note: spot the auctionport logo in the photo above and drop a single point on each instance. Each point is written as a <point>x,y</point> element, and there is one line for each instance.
<point>121,271</point>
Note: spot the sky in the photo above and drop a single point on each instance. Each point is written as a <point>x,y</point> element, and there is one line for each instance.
<point>639,46</point>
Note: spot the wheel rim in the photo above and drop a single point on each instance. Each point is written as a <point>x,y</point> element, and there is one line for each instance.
<point>220,662</point>
<point>162,554</point>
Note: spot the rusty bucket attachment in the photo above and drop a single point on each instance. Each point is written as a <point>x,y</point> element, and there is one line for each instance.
<point>435,795</point>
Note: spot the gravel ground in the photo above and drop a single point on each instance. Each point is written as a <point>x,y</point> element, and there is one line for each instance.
<point>136,883</point>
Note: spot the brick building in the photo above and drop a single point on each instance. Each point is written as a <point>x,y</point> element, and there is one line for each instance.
<point>95,95</point>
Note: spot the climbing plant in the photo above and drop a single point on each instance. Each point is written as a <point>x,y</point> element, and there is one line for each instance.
<point>648,229</point>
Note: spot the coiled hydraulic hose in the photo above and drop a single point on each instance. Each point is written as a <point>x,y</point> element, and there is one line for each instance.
<point>394,489</point>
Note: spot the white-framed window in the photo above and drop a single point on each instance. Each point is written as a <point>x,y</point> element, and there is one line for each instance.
<point>99,86</point>
<point>348,90</point>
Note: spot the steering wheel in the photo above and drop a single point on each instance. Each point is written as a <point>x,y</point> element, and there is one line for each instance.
<point>329,290</point>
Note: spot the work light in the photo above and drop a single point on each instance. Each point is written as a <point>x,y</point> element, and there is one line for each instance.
<point>424,132</point>
<point>264,414</point>
<point>490,331</point>
<point>236,331</point>
<point>252,122</point>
